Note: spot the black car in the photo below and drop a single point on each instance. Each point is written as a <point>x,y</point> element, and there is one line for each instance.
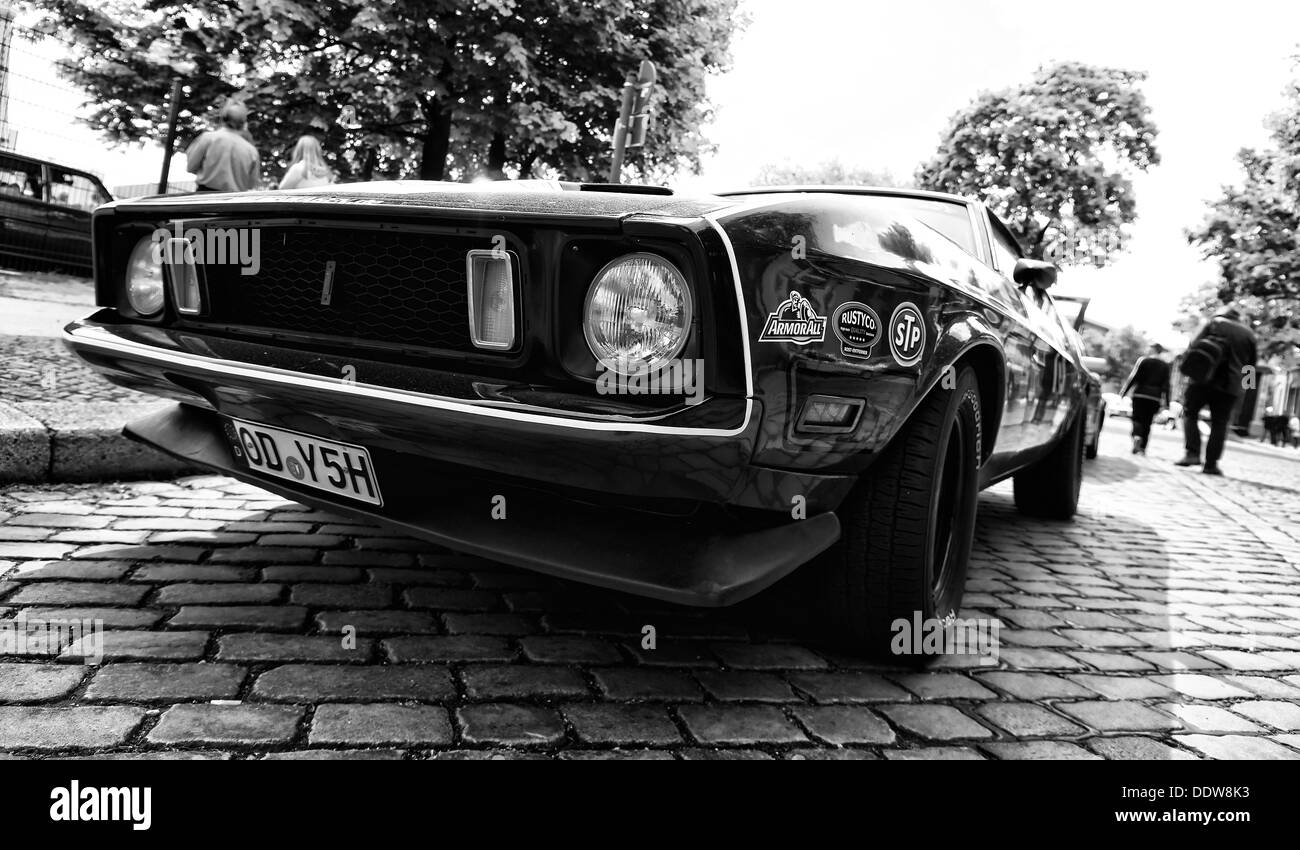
<point>45,213</point>
<point>681,397</point>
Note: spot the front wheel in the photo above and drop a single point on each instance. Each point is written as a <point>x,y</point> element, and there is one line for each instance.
<point>908,526</point>
<point>1049,489</point>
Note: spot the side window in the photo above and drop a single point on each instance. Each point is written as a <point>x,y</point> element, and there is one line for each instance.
<point>1043,315</point>
<point>18,177</point>
<point>75,190</point>
<point>1005,252</point>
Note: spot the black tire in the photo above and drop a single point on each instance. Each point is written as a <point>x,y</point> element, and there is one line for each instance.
<point>1090,450</point>
<point>1049,489</point>
<point>908,526</point>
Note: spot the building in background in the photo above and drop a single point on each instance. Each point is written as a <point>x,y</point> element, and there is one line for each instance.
<point>1279,388</point>
<point>8,136</point>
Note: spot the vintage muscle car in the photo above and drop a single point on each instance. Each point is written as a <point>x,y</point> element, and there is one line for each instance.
<point>685,397</point>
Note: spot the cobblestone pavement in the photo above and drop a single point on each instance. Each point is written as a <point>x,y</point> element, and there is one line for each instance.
<point>34,364</point>
<point>1163,623</point>
<point>41,369</point>
<point>1244,459</point>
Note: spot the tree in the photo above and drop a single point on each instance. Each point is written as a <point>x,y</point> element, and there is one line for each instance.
<point>428,88</point>
<point>831,172</point>
<point>1053,158</point>
<point>1252,232</point>
<point>1196,308</point>
<point>1121,347</point>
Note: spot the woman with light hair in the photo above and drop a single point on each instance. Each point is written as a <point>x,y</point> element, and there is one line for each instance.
<point>307,166</point>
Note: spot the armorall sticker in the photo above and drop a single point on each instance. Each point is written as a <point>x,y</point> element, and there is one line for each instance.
<point>794,321</point>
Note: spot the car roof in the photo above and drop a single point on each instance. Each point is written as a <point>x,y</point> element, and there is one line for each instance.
<point>895,191</point>
<point>44,161</point>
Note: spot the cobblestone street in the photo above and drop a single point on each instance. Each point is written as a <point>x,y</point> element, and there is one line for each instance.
<point>1164,623</point>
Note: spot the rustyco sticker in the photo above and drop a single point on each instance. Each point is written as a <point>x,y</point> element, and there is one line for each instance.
<point>794,321</point>
<point>858,329</point>
<point>907,334</point>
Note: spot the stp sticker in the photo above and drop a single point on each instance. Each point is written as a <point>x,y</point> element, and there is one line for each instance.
<point>907,334</point>
<point>858,328</point>
<point>794,321</point>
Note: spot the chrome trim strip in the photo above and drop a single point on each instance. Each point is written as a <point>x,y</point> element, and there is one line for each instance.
<point>97,339</point>
<point>982,247</point>
<point>712,219</point>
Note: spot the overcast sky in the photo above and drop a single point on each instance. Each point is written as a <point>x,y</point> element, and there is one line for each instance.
<point>875,83</point>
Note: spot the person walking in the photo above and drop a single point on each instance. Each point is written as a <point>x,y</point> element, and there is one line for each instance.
<point>1228,347</point>
<point>224,160</point>
<point>307,167</point>
<point>1150,384</point>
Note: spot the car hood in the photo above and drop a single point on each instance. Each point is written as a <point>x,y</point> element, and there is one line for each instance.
<point>525,197</point>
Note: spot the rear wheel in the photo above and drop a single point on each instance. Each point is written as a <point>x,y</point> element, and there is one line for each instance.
<point>1050,488</point>
<point>908,527</point>
<point>1090,450</point>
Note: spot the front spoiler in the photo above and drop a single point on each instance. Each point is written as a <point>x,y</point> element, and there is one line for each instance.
<point>698,561</point>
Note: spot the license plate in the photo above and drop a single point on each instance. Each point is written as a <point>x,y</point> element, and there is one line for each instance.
<point>337,468</point>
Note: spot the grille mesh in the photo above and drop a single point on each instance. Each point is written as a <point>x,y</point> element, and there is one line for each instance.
<point>405,288</point>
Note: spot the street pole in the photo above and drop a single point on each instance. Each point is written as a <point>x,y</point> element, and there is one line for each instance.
<point>172,114</point>
<point>620,131</point>
<point>633,116</point>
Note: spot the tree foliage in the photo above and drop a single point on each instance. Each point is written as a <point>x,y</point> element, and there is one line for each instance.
<point>831,172</point>
<point>1252,232</point>
<point>428,88</point>
<point>1053,158</point>
<point>1122,347</point>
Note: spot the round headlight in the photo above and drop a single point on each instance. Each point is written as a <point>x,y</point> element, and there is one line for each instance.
<point>144,278</point>
<point>638,314</point>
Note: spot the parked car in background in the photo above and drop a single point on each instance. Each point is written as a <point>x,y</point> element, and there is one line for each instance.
<point>1118,405</point>
<point>499,369</point>
<point>45,213</point>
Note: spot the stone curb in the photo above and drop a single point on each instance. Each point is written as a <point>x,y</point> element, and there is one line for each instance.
<point>63,442</point>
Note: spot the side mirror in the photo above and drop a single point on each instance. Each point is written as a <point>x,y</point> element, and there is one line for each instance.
<point>1034,273</point>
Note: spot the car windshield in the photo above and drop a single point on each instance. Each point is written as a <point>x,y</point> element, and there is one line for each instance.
<point>947,217</point>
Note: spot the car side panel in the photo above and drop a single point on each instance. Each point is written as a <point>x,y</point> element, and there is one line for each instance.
<point>833,252</point>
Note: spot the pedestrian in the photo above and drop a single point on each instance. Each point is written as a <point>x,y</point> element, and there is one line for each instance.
<point>307,167</point>
<point>1215,365</point>
<point>224,159</point>
<point>1150,384</point>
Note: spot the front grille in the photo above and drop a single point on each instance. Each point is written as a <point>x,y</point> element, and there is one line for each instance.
<point>388,287</point>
